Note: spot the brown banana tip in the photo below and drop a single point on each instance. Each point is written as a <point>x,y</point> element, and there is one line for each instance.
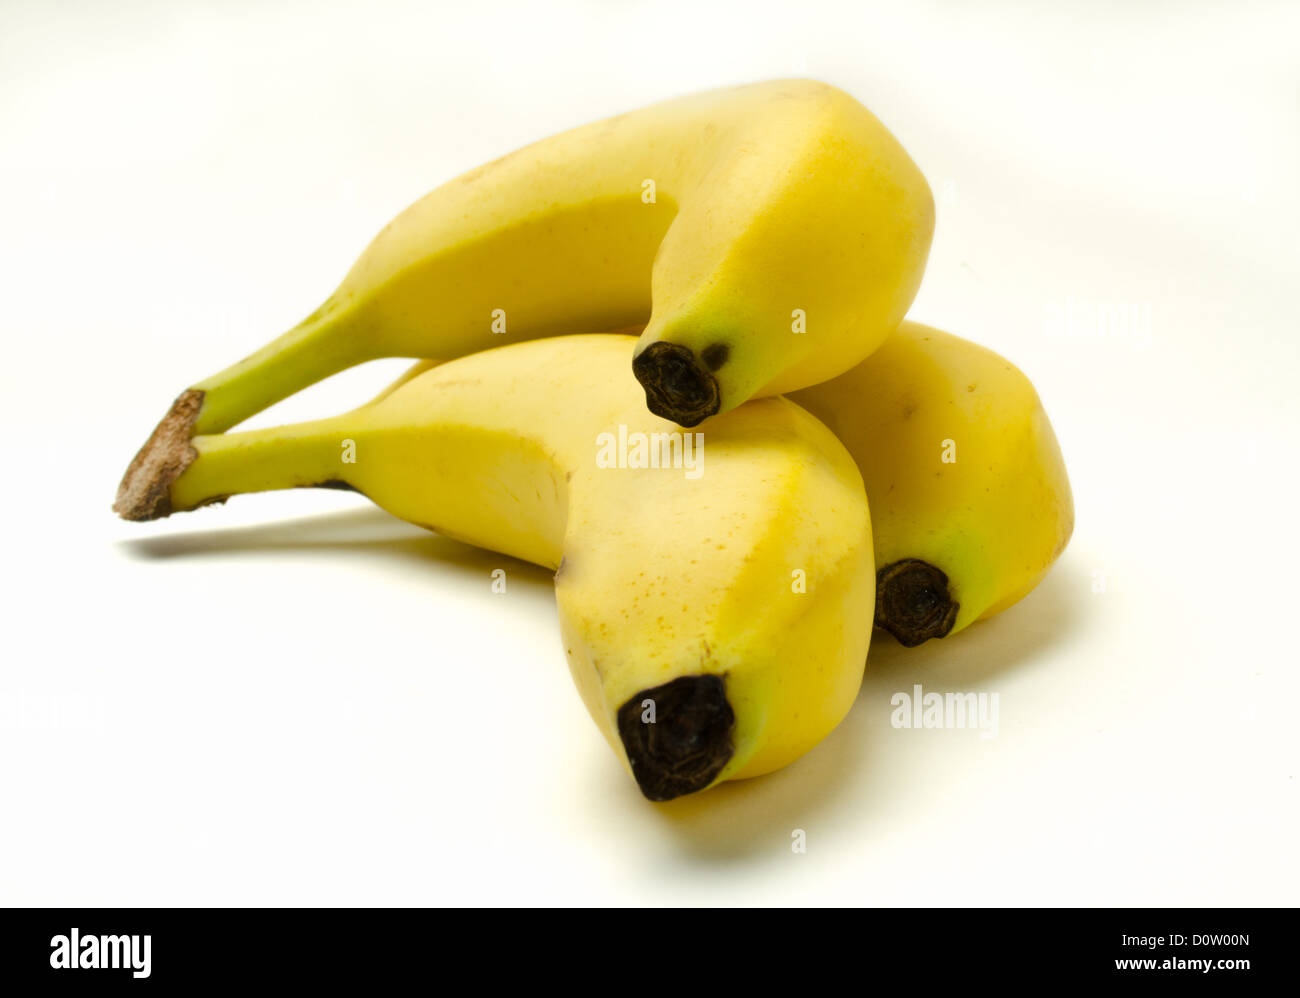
<point>145,490</point>
<point>678,385</point>
<point>913,602</point>
<point>678,735</point>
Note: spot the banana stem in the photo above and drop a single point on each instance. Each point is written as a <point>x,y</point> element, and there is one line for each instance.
<point>281,457</point>
<point>313,350</point>
<point>320,345</point>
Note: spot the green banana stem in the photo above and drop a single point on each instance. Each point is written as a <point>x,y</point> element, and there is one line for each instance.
<point>306,354</point>
<point>311,351</point>
<point>281,457</point>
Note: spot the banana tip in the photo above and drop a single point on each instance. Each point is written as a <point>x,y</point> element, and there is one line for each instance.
<point>913,602</point>
<point>678,385</point>
<point>677,736</point>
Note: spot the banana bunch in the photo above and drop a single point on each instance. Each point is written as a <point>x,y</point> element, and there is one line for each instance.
<point>716,589</point>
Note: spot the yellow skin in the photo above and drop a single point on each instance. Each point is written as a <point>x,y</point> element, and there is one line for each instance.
<point>659,576</point>
<point>993,521</point>
<point>767,198</point>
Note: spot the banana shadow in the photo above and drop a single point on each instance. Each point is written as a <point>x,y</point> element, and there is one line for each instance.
<point>852,771</point>
<point>361,531</point>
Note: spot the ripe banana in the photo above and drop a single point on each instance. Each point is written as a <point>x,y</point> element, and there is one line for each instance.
<point>957,538</point>
<point>770,235</point>
<point>726,599</point>
<point>970,502</point>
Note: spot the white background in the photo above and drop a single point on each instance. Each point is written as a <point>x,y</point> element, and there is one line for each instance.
<point>294,699</point>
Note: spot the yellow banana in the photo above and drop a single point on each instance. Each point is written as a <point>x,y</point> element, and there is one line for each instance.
<point>970,502</point>
<point>770,235</point>
<point>714,605</point>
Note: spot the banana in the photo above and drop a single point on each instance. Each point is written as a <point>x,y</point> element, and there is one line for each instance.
<point>970,501</point>
<point>714,605</point>
<point>767,237</point>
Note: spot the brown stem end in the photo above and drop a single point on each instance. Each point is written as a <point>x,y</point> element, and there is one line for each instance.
<point>678,735</point>
<point>678,385</point>
<point>913,602</point>
<point>145,492</point>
